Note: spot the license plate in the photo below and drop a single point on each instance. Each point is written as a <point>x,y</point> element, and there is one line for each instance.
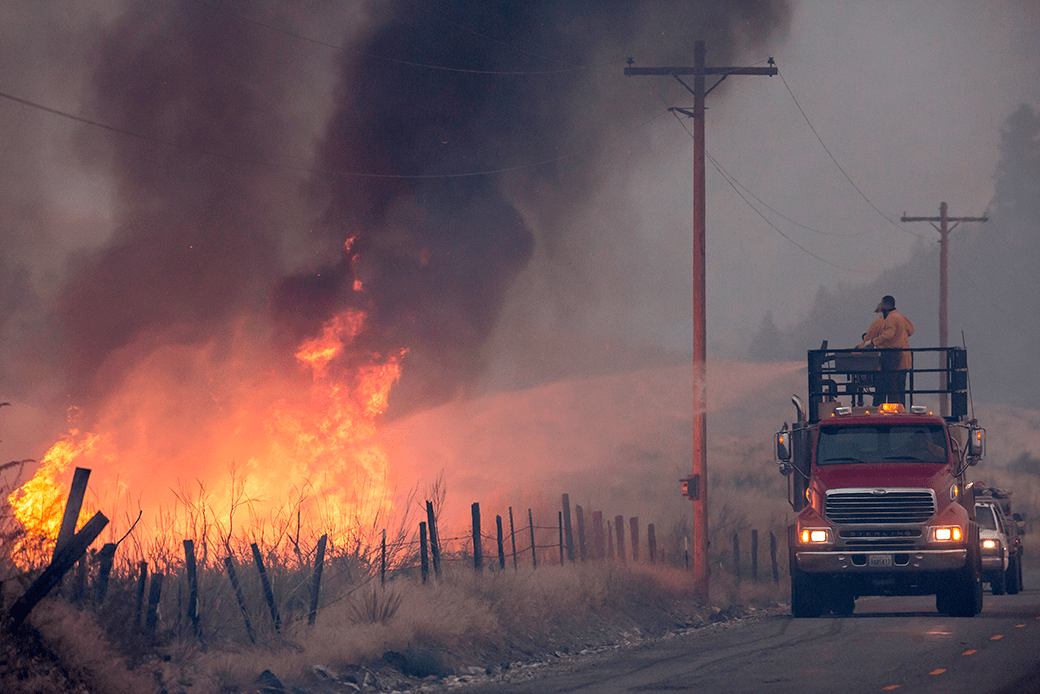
<point>881,560</point>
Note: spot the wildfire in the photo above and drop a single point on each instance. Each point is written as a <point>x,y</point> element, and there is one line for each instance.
<point>40,503</point>
<point>245,440</point>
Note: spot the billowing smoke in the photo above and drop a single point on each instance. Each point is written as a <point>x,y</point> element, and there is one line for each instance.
<point>425,93</point>
<point>256,167</point>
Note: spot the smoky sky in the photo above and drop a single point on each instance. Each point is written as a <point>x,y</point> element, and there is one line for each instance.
<point>258,171</point>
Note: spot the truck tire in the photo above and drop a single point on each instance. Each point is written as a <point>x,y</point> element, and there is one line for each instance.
<point>1013,576</point>
<point>805,590</point>
<point>998,580</point>
<point>805,596</point>
<point>841,602</point>
<point>965,591</point>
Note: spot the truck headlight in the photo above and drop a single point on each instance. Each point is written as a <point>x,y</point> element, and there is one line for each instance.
<point>947,533</point>
<point>989,544</point>
<point>816,536</point>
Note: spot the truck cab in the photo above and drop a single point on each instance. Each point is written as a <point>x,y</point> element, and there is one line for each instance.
<point>883,505</point>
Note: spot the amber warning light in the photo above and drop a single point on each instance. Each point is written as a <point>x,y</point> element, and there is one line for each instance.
<point>691,487</point>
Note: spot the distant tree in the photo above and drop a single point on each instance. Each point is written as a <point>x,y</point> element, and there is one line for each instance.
<point>765,344</point>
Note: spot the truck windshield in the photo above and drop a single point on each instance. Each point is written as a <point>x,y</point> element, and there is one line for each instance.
<point>881,443</point>
<point>984,517</point>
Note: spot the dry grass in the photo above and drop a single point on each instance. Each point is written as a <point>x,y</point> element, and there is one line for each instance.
<point>460,619</point>
<point>468,619</point>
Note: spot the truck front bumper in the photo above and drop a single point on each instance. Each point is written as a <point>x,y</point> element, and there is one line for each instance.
<point>881,562</point>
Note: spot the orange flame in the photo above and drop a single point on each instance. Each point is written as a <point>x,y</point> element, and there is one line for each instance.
<point>40,504</point>
<point>185,416</point>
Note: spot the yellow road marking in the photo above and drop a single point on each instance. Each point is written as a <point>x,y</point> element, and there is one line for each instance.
<point>971,652</point>
<point>1019,626</point>
<point>998,637</point>
<point>937,672</point>
<point>891,686</point>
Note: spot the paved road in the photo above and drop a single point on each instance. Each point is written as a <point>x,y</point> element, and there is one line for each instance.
<point>889,644</point>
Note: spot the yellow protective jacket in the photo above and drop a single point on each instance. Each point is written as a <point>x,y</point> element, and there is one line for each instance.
<point>893,332</point>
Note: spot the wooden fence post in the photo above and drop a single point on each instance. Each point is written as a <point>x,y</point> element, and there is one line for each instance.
<point>580,514</point>
<point>68,524</point>
<point>382,560</point>
<point>51,576</point>
<point>772,557</point>
<point>619,531</point>
<point>435,547</point>
<point>154,594</point>
<point>79,584</point>
<point>512,537</point>
<point>319,566</point>
<point>534,551</point>
<point>559,523</point>
<point>268,593</point>
<point>193,586</point>
<point>72,509</point>
<point>142,585</point>
<point>651,543</point>
<point>736,556</point>
<point>229,564</point>
<point>424,559</point>
<point>599,547</point>
<point>754,556</point>
<point>567,531</point>
<point>501,545</point>
<point>478,549</point>
<point>106,556</point>
<point>633,526</point>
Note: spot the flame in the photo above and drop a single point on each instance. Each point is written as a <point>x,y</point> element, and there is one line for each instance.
<point>194,437</point>
<point>40,504</point>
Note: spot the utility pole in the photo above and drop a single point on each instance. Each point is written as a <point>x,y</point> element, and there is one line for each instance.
<point>944,233</point>
<point>698,484</point>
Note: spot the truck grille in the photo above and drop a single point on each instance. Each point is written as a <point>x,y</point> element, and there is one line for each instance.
<point>867,506</point>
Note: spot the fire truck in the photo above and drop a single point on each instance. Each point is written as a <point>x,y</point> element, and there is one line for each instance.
<point>882,503</point>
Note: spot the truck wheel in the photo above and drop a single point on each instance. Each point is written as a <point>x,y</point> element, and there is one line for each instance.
<point>805,598</point>
<point>966,591</point>
<point>997,581</point>
<point>1013,575</point>
<point>842,602</point>
<point>944,601</point>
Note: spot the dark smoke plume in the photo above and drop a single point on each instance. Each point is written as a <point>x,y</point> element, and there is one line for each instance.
<point>436,255</point>
<point>423,91</point>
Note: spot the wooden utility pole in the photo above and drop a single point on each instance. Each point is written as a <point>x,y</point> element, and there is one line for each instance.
<point>944,233</point>
<point>700,418</point>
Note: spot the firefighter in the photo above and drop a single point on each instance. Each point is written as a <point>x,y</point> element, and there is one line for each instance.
<point>891,331</point>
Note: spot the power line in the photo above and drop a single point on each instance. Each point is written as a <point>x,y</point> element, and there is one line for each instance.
<point>498,41</point>
<point>726,177</point>
<point>843,172</point>
<point>398,61</point>
<point>303,169</point>
<point>771,209</point>
<point>749,191</point>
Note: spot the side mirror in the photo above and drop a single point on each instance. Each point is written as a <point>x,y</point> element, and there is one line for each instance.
<point>783,445</point>
<point>977,442</point>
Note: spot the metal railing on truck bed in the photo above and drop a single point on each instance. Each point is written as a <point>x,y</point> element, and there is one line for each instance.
<point>854,374</point>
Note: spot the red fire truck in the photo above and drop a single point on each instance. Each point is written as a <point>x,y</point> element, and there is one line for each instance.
<point>883,507</point>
